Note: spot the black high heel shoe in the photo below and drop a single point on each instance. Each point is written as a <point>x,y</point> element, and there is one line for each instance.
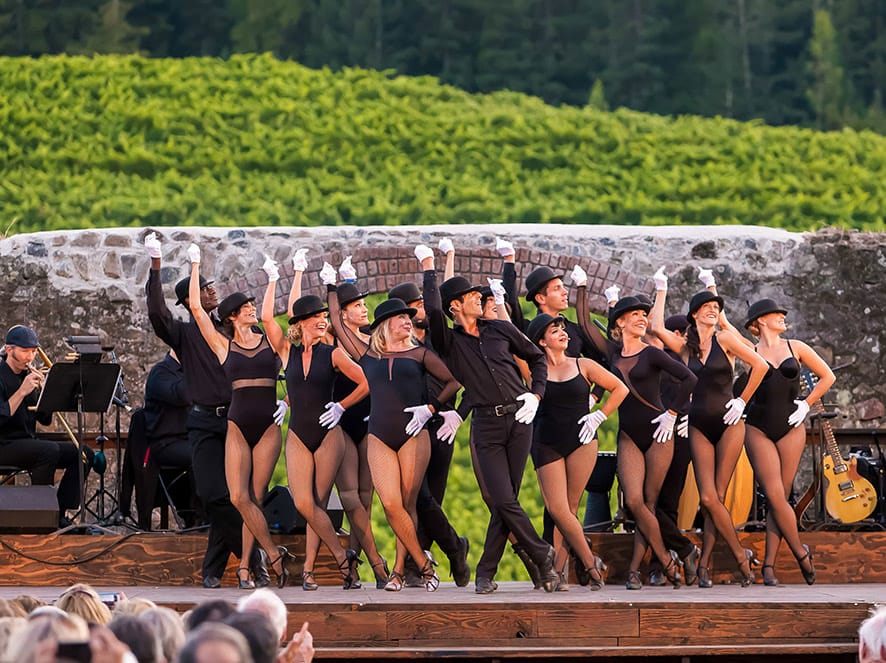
<point>771,581</point>
<point>428,574</point>
<point>282,557</point>
<point>308,583</point>
<point>747,577</point>
<point>597,581</point>
<point>241,583</point>
<point>351,579</point>
<point>808,576</point>
<point>704,578</point>
<point>381,582</point>
<point>672,570</point>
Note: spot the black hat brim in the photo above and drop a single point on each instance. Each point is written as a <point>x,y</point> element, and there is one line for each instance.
<point>390,314</point>
<point>307,314</point>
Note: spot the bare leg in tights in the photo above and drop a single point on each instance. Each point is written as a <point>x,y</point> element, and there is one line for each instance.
<point>397,477</point>
<point>640,477</point>
<point>562,484</point>
<point>774,468</point>
<point>714,466</point>
<point>310,477</point>
<point>247,472</point>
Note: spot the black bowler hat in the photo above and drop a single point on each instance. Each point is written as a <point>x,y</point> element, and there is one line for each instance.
<point>537,279</point>
<point>677,323</point>
<point>232,303</point>
<point>699,299</point>
<point>626,305</point>
<point>763,307</point>
<point>348,292</point>
<point>22,337</point>
<point>408,292</point>
<point>388,309</point>
<point>181,288</point>
<point>454,288</point>
<point>539,325</point>
<point>306,306</point>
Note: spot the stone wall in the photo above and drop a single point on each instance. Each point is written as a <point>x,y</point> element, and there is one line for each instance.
<point>81,282</point>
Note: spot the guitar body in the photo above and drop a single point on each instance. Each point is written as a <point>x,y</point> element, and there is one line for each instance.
<point>849,497</point>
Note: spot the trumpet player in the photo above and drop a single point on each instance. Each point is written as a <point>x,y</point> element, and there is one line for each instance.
<point>20,446</point>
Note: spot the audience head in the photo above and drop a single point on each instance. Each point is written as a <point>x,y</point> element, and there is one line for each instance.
<point>267,603</point>
<point>9,626</point>
<point>83,601</point>
<point>46,628</point>
<point>261,636</point>
<point>28,603</point>
<point>139,636</point>
<point>11,609</point>
<point>215,643</point>
<point>210,611</point>
<point>169,628</point>
<point>133,607</point>
<point>872,637</point>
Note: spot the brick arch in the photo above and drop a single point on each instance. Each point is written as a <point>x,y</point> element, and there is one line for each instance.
<point>380,268</point>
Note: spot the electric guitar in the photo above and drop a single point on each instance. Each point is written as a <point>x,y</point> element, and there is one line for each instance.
<point>849,497</point>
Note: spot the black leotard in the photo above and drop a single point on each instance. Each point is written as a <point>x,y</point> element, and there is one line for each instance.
<point>396,380</point>
<point>354,420</point>
<point>773,402</point>
<point>309,394</point>
<point>712,391</point>
<point>253,376</point>
<point>556,426</point>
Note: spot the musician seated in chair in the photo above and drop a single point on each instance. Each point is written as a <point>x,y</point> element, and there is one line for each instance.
<point>20,446</point>
<point>166,413</point>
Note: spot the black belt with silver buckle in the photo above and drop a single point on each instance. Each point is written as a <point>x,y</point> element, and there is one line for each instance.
<point>496,410</point>
<point>215,410</point>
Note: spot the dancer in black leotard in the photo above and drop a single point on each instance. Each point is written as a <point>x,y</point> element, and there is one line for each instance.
<point>564,444</point>
<point>716,432</point>
<point>775,436</point>
<point>353,480</point>
<point>645,436</point>
<point>253,441</point>
<point>399,447</point>
<point>314,445</point>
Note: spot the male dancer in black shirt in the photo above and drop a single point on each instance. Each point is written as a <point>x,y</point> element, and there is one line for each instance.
<point>480,353</point>
<point>210,393</point>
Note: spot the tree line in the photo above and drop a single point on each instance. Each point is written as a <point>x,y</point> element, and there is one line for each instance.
<point>817,63</point>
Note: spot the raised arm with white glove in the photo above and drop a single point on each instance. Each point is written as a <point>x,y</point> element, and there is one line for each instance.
<point>423,251</point>
<point>504,247</point>
<point>589,425</point>
<point>300,260</point>
<point>446,246</point>
<point>527,411</point>
<point>579,276</point>
<point>611,294</point>
<point>327,274</point>
<point>194,254</point>
<point>498,291</point>
<point>270,268</point>
<point>152,246</point>
<point>665,430</point>
<point>706,276</point>
<point>346,270</point>
<point>660,279</point>
<point>420,416</point>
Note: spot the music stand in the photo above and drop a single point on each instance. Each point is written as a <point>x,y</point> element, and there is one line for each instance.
<point>79,387</point>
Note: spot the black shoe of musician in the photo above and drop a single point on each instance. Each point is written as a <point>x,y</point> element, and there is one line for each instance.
<point>546,573</point>
<point>485,585</point>
<point>211,582</point>
<point>529,564</point>
<point>656,578</point>
<point>258,564</point>
<point>458,563</point>
<point>411,575</point>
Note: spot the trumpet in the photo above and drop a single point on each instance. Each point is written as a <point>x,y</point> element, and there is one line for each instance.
<point>43,370</point>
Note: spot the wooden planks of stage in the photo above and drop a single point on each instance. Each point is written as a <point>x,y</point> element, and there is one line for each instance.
<point>728,622</point>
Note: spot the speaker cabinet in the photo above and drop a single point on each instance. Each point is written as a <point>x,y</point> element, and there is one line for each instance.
<point>28,509</point>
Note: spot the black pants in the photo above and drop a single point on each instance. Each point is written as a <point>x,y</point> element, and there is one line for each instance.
<point>42,458</point>
<point>433,525</point>
<point>500,448</point>
<point>669,499</point>
<point>206,433</point>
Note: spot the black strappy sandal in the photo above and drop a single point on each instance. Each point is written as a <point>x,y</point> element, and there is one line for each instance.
<point>808,576</point>
<point>282,557</point>
<point>381,581</point>
<point>428,574</point>
<point>308,582</point>
<point>351,579</point>
<point>247,583</point>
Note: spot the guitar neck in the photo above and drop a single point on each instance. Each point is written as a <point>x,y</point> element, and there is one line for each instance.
<point>831,446</point>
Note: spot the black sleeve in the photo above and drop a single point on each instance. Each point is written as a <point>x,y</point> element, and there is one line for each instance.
<point>682,374</point>
<point>166,386</point>
<point>525,349</point>
<point>509,281</point>
<point>440,333</point>
<point>350,342</point>
<point>435,366</point>
<point>167,328</point>
<point>591,334</point>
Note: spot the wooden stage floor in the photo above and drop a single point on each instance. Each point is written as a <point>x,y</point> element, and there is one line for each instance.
<point>726,622</point>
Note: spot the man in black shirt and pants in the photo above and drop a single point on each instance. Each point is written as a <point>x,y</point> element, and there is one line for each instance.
<point>209,391</point>
<point>480,353</point>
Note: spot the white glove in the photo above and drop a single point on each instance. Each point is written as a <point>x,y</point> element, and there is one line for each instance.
<point>665,430</point>
<point>270,268</point>
<point>420,415</point>
<point>280,412</point>
<point>152,245</point>
<point>527,411</point>
<point>346,270</point>
<point>660,279</point>
<point>589,425</point>
<point>451,421</point>
<point>799,415</point>
<point>327,274</point>
<point>498,291</point>
<point>300,261</point>
<point>611,293</point>
<point>579,276</point>
<point>683,425</point>
<point>446,246</point>
<point>504,247</point>
<point>194,253</point>
<point>422,251</point>
<point>734,410</point>
<point>332,415</point>
<point>592,401</point>
<point>706,276</point>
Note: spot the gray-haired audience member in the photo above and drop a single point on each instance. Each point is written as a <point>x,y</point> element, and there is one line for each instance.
<point>872,637</point>
<point>261,636</point>
<point>215,643</point>
<point>139,636</point>
<point>267,603</point>
<point>210,611</point>
<point>169,628</point>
